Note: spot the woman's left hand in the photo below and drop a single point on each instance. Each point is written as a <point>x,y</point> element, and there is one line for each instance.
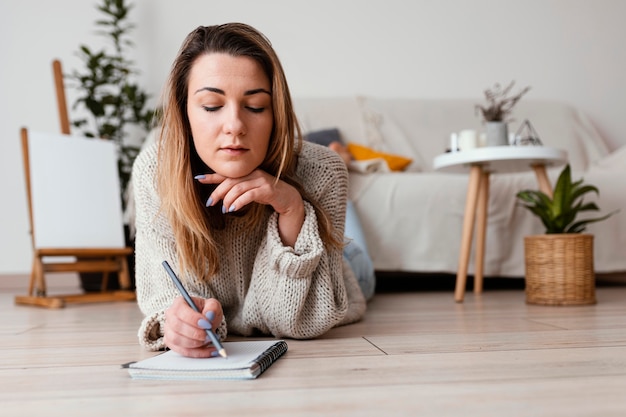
<point>262,188</point>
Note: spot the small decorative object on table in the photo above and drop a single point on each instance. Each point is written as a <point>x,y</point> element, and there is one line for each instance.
<point>496,114</point>
<point>526,135</point>
<point>559,264</point>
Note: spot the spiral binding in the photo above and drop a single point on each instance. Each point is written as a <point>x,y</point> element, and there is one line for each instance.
<point>268,357</point>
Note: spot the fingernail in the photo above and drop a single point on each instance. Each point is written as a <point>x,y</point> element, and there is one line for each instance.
<point>215,354</point>
<point>223,209</point>
<point>210,315</point>
<point>209,201</point>
<point>203,324</point>
<point>199,177</point>
<point>231,208</point>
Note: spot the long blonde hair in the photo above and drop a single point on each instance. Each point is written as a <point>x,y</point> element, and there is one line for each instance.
<point>182,198</point>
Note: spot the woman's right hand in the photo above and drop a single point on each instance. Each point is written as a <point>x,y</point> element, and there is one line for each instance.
<point>185,329</point>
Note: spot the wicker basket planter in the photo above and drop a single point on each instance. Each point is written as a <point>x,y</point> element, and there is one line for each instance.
<point>559,269</point>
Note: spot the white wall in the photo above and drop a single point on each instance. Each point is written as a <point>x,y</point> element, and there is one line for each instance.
<point>567,50</point>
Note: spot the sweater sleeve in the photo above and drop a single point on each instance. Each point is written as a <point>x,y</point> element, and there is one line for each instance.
<point>154,243</point>
<point>301,291</point>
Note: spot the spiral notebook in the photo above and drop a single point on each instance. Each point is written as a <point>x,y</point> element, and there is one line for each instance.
<point>246,360</point>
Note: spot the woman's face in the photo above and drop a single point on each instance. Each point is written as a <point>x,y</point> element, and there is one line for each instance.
<point>229,104</point>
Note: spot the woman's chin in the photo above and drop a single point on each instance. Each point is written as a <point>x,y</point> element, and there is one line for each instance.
<point>231,172</point>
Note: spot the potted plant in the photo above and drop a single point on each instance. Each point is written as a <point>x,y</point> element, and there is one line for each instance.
<point>559,264</point>
<point>496,113</point>
<point>111,105</point>
<point>114,104</point>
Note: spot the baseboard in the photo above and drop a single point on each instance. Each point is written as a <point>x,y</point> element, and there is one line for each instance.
<point>387,281</point>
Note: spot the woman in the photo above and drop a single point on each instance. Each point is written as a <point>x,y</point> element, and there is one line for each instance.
<point>249,216</point>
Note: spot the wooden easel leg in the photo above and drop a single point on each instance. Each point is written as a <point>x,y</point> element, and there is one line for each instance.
<point>48,302</point>
<point>468,230</point>
<point>104,260</point>
<point>57,71</point>
<point>105,281</point>
<point>124,274</point>
<point>40,283</point>
<point>31,283</point>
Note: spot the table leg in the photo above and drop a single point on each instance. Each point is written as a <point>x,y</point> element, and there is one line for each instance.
<point>542,179</point>
<point>481,231</point>
<point>468,230</point>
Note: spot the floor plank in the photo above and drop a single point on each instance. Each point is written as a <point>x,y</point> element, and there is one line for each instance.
<point>416,352</point>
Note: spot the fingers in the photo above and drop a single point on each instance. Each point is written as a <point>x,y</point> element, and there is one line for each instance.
<point>210,178</point>
<point>213,313</point>
<point>259,187</point>
<point>185,329</point>
<point>235,193</point>
<point>224,188</point>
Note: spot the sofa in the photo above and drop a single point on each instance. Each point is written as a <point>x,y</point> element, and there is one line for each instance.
<point>412,219</point>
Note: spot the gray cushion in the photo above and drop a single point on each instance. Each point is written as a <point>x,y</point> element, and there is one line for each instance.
<point>324,137</point>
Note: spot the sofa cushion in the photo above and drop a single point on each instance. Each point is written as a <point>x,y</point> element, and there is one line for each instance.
<point>324,137</point>
<point>363,153</point>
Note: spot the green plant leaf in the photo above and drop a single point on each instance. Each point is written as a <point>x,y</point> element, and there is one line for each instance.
<point>587,207</point>
<point>580,226</point>
<point>559,214</point>
<point>582,190</point>
<point>561,190</point>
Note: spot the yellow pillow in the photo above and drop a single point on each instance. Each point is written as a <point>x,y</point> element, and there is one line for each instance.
<point>363,153</point>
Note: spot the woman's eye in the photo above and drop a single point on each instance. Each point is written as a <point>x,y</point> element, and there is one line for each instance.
<point>208,108</point>
<point>256,109</point>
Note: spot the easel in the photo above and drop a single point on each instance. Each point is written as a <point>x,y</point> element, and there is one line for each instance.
<point>87,259</point>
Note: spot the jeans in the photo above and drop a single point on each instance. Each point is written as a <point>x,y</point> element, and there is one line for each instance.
<point>355,252</point>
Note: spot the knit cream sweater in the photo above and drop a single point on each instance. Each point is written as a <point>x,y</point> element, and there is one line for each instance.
<point>264,286</point>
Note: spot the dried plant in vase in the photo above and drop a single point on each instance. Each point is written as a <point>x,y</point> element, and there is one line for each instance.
<point>497,112</point>
<point>499,105</point>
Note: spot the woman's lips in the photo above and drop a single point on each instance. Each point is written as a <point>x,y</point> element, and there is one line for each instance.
<point>234,151</point>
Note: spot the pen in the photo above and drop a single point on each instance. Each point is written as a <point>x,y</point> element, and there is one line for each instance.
<point>185,294</point>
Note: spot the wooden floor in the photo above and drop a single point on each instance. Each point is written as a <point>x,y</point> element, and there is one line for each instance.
<point>416,353</point>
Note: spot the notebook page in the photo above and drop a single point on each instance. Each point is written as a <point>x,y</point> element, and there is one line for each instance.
<point>240,355</point>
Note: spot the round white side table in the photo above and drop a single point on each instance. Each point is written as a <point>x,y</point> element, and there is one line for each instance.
<point>480,163</point>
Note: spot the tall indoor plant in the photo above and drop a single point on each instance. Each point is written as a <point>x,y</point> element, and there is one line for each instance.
<point>111,103</point>
<point>559,264</point>
<point>496,113</point>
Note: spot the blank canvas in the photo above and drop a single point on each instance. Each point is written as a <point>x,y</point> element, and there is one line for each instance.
<point>75,192</point>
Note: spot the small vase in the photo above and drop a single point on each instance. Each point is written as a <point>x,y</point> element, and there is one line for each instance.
<point>497,134</point>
